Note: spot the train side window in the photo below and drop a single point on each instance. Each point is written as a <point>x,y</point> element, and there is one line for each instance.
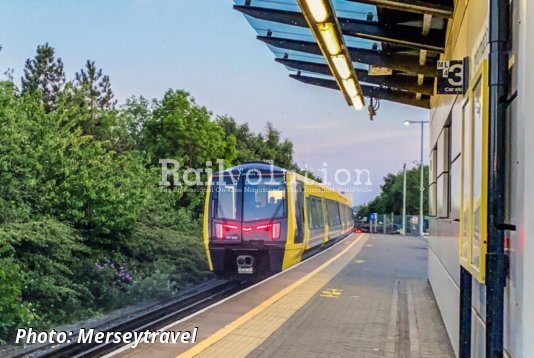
<point>320,214</point>
<point>315,212</point>
<point>330,213</point>
<point>299,213</point>
<point>309,209</point>
<point>324,208</point>
<point>333,213</point>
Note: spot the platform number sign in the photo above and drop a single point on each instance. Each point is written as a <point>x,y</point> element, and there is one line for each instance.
<point>451,77</point>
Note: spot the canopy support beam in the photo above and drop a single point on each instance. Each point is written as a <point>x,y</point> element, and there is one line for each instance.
<point>416,6</point>
<point>399,62</point>
<point>386,94</point>
<point>403,82</point>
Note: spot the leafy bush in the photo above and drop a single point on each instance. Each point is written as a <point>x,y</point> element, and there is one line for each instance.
<point>60,172</point>
<point>184,254</point>
<point>14,312</point>
<point>156,285</point>
<point>45,252</point>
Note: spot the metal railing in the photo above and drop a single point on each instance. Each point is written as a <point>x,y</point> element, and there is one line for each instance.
<point>392,224</point>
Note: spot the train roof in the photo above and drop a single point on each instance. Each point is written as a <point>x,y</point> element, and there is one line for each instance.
<point>262,167</point>
<point>266,168</point>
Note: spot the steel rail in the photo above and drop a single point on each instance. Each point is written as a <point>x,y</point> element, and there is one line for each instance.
<point>153,318</point>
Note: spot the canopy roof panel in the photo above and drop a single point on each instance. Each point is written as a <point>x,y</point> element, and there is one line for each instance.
<point>393,44</point>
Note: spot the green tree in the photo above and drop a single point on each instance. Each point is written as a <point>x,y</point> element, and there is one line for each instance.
<point>182,130</point>
<point>390,198</point>
<point>44,75</point>
<point>96,86</point>
<point>91,99</point>
<point>274,148</point>
<point>48,166</point>
<point>135,113</point>
<point>262,146</point>
<point>246,142</point>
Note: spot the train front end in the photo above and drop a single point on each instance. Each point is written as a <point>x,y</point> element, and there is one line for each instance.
<point>245,220</point>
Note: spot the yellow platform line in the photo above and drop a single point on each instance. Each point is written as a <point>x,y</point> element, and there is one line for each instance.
<point>225,331</point>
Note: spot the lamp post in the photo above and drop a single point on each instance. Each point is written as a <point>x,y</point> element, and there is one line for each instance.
<point>421,182</point>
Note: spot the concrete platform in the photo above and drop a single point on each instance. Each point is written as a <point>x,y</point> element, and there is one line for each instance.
<point>379,305</point>
<point>366,297</point>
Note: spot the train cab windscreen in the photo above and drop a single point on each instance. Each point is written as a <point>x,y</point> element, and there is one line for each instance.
<point>264,198</point>
<point>250,198</point>
<point>228,199</point>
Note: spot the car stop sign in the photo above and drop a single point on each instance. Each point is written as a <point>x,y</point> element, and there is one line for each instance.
<point>451,77</point>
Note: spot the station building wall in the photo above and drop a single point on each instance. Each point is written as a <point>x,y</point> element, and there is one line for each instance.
<point>467,36</point>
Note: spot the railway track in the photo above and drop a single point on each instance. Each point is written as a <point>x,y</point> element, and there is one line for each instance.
<point>153,318</point>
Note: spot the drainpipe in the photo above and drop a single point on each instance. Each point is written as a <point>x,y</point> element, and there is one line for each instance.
<point>498,92</point>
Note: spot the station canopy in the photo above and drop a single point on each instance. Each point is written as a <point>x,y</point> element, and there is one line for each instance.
<point>393,45</point>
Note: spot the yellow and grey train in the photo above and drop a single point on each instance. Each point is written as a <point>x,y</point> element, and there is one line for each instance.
<point>261,219</point>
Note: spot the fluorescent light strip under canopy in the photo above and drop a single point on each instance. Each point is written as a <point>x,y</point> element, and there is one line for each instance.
<point>322,20</point>
<point>342,66</point>
<point>318,10</point>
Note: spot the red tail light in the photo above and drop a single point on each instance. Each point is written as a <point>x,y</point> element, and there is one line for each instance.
<point>273,228</point>
<point>247,229</point>
<point>219,231</point>
<point>275,233</point>
<point>220,228</point>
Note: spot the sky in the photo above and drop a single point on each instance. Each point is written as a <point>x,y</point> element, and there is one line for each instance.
<point>210,50</point>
